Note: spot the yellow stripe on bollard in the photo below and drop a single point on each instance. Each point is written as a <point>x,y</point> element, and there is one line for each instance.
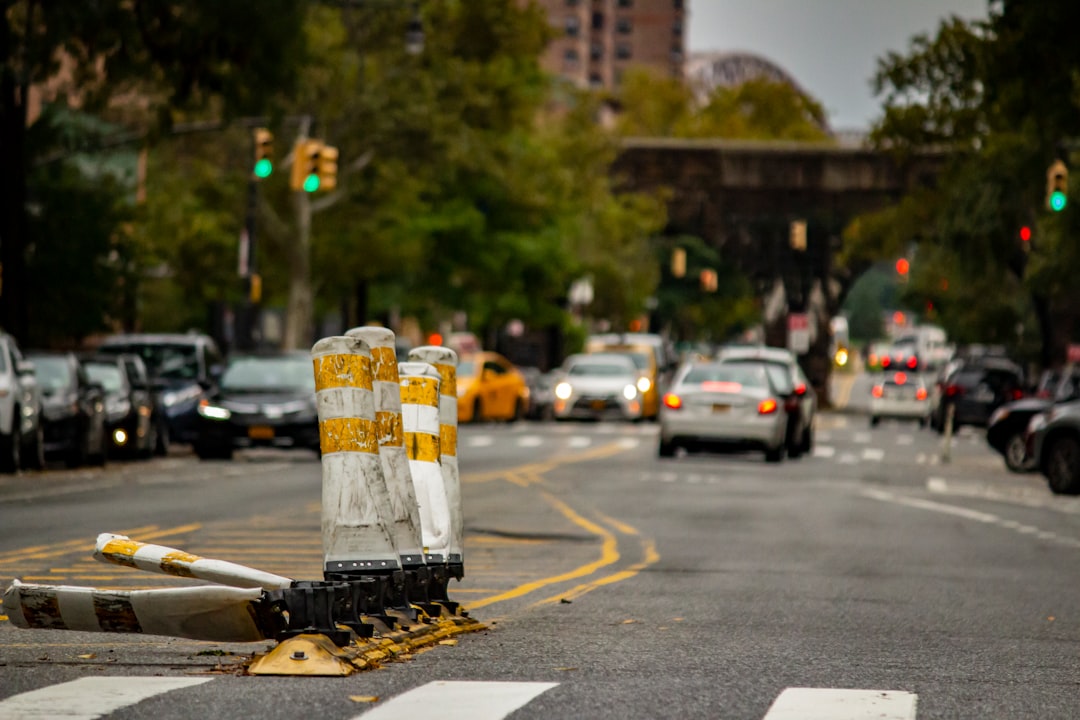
<point>422,446</point>
<point>342,371</point>
<point>179,563</point>
<point>391,430</point>
<point>385,361</point>
<point>121,552</point>
<point>448,440</point>
<point>348,435</point>
<point>420,391</point>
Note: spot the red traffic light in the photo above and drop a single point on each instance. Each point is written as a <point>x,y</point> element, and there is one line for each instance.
<point>902,266</point>
<point>1025,233</point>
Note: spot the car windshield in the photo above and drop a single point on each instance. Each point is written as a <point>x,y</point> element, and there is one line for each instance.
<point>725,378</point>
<point>779,374</point>
<point>466,368</point>
<point>53,373</point>
<point>108,375</point>
<point>599,368</point>
<point>253,374</point>
<point>172,361</point>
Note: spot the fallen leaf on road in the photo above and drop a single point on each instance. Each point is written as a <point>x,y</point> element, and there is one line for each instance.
<point>1051,618</point>
<point>448,642</point>
<point>630,621</point>
<point>364,698</point>
<point>88,656</point>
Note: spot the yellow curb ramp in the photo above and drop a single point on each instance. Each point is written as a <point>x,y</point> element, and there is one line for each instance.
<point>317,655</point>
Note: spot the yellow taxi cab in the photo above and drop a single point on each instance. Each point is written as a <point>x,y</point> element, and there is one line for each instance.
<point>490,388</point>
<point>644,355</point>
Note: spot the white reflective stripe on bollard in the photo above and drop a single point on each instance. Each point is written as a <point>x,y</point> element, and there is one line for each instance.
<point>445,361</point>
<point>405,514</point>
<point>122,550</point>
<point>211,612</point>
<point>355,501</point>
<point>420,414</point>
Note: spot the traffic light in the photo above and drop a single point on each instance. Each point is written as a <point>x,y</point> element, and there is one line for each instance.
<point>264,153</point>
<point>678,262</point>
<point>902,267</point>
<point>326,167</point>
<point>798,235</point>
<point>1057,186</point>
<point>709,280</point>
<point>305,169</point>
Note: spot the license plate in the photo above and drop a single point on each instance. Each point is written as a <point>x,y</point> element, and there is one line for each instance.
<point>260,432</point>
<point>598,404</point>
<point>720,408</point>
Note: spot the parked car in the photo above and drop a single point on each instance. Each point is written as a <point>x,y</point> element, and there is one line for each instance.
<point>183,369</point>
<point>900,396</point>
<point>263,400</point>
<point>129,405</point>
<point>799,398</point>
<point>22,437</point>
<point>1054,446</point>
<point>974,389</point>
<point>1006,431</point>
<point>724,405</point>
<point>597,386</point>
<point>73,410</point>
<point>490,387</point>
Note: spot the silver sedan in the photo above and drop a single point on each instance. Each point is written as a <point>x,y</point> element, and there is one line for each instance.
<point>723,405</point>
<point>597,386</point>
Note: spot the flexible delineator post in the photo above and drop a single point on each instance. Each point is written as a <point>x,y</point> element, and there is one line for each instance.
<point>445,361</point>
<point>122,550</point>
<point>211,612</point>
<point>420,413</point>
<point>355,500</point>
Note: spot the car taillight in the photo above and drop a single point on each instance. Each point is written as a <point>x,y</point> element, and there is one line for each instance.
<point>953,390</point>
<point>766,407</point>
<point>912,362</point>
<point>800,389</point>
<point>791,404</point>
<point>877,391</point>
<point>672,401</point>
<point>1017,394</point>
<point>886,361</point>
<point>920,394</point>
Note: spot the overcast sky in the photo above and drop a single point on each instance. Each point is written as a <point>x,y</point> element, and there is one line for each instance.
<point>830,47</point>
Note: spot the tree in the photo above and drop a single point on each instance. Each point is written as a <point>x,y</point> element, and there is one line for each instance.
<point>135,63</point>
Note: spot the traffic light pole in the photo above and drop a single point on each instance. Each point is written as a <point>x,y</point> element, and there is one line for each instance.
<point>248,333</point>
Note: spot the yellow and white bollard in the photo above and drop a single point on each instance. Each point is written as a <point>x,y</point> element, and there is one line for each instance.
<point>210,612</point>
<point>405,517</point>
<point>122,550</point>
<point>355,501</point>
<point>420,413</point>
<point>445,361</point>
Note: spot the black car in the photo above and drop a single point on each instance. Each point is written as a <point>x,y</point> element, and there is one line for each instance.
<point>129,406</point>
<point>72,410</point>
<point>263,400</point>
<point>183,368</point>
<point>975,389</point>
<point>1007,430</point>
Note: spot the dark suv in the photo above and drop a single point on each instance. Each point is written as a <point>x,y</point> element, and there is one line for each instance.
<point>183,368</point>
<point>975,389</point>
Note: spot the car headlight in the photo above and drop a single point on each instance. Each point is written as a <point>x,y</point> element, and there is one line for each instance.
<point>169,399</point>
<point>629,392</point>
<point>643,384</point>
<point>214,412</point>
<point>563,391</point>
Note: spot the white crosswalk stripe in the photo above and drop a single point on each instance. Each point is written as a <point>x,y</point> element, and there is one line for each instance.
<point>829,704</point>
<point>460,700</point>
<point>89,697</point>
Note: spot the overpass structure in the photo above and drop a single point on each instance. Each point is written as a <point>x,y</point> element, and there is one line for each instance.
<point>741,198</point>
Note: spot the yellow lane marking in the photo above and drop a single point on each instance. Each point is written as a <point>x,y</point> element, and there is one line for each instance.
<point>651,557</point>
<point>40,552</point>
<point>618,525</point>
<point>603,451</point>
<point>609,554</point>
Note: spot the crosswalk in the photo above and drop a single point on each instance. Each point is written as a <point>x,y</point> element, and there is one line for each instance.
<point>89,698</point>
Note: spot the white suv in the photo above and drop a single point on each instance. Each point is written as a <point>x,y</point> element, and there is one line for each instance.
<point>22,442</point>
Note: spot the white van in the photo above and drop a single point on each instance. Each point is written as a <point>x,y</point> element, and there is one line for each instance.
<point>928,343</point>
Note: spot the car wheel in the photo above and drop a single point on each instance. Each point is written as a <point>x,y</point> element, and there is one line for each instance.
<point>666,449</point>
<point>519,410</point>
<point>1063,465</point>
<point>34,459</point>
<point>808,440</point>
<point>79,455</point>
<point>151,441</point>
<point>213,452</point>
<point>874,420</point>
<point>98,457</point>
<point>477,411</point>
<point>11,447</point>
<point>162,448</point>
<point>1016,453</point>
<point>774,455</point>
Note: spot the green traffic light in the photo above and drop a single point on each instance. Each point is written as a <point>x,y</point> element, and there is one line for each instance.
<point>1057,201</point>
<point>263,168</point>
<point>311,183</point>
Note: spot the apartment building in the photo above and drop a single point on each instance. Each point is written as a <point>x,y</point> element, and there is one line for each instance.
<point>597,40</point>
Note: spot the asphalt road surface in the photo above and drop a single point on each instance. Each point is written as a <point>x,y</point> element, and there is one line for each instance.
<point>867,580</point>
